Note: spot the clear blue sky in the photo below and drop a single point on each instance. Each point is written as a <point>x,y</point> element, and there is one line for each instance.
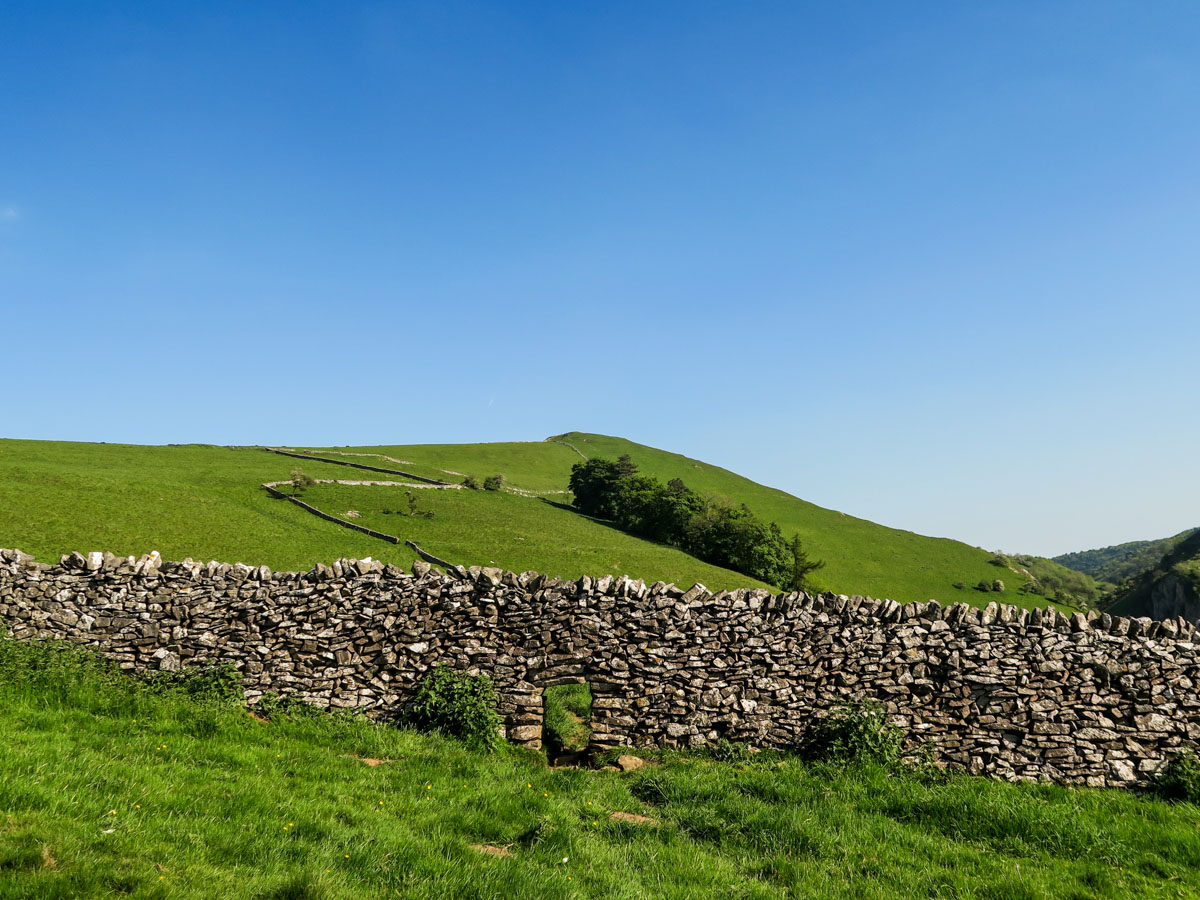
<point>932,264</point>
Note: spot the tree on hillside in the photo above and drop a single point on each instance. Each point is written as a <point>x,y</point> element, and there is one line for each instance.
<point>732,537</point>
<point>634,502</point>
<point>714,530</point>
<point>596,484</point>
<point>300,481</point>
<point>802,566</point>
<point>663,512</point>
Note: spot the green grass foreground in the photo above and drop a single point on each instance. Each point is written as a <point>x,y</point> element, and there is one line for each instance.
<point>108,788</point>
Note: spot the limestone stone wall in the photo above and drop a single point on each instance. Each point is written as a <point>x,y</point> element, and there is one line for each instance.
<point>1016,694</point>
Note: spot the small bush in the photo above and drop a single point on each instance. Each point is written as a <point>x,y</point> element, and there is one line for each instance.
<point>301,480</point>
<point>274,705</point>
<point>456,704</point>
<point>471,483</point>
<point>854,734</point>
<point>998,586</point>
<point>212,682</point>
<point>413,508</point>
<point>493,482</point>
<point>960,585</point>
<point>1180,781</point>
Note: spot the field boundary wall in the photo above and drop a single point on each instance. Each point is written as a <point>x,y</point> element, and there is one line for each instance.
<point>1013,693</point>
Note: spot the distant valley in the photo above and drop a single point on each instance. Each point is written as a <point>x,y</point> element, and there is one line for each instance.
<point>1159,578</point>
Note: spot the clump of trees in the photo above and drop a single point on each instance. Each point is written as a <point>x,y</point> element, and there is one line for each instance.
<point>709,528</point>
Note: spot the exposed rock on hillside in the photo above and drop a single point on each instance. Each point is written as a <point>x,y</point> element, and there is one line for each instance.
<point>1172,588</point>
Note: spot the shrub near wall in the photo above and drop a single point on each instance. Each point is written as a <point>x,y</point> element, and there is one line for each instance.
<point>1013,693</point>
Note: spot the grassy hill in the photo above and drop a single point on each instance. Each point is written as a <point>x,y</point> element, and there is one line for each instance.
<point>1122,561</point>
<point>111,788</point>
<point>860,556</point>
<point>1171,587</point>
<point>205,502</point>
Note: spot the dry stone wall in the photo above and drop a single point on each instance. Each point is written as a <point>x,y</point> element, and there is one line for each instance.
<point>1016,694</point>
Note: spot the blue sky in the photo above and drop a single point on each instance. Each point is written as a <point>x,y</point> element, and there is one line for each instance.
<point>932,264</point>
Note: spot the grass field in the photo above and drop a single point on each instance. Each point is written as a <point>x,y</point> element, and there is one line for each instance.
<point>198,501</point>
<point>540,466</point>
<point>110,789</point>
<point>860,556</point>
<point>519,533</point>
<point>205,502</point>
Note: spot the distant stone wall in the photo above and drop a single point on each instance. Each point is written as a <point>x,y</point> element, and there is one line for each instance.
<point>363,529</point>
<point>1003,691</point>
<point>357,465</point>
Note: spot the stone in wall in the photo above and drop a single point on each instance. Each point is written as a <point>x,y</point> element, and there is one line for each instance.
<point>1012,693</point>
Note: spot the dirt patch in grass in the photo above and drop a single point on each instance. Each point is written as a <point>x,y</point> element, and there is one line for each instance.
<point>634,818</point>
<point>492,850</point>
<point>371,761</point>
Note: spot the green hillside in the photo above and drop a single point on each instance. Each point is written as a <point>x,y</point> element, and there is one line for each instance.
<point>860,556</point>
<point>1170,588</point>
<point>1122,561</point>
<point>205,502</point>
